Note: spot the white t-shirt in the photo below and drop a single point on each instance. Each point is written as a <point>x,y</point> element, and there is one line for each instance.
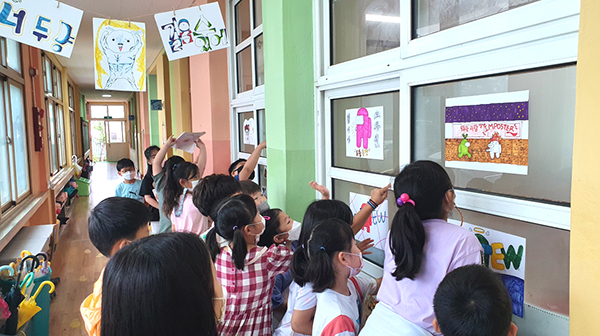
<point>300,298</point>
<point>338,314</point>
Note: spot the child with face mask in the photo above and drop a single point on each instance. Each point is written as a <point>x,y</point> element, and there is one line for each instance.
<point>130,187</point>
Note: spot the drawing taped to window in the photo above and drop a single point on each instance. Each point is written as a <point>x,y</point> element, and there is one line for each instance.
<point>364,132</point>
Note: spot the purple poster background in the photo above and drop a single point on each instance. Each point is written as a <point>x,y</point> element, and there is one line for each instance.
<point>488,112</point>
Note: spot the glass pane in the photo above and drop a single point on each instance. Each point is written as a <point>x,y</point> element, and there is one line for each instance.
<point>98,134</point>
<point>547,255</point>
<point>58,77</point>
<point>342,190</point>
<point>85,139</point>
<point>247,132</point>
<point>4,156</point>
<point>62,149</point>
<point>73,132</point>
<point>360,125</point>
<point>116,129</point>
<point>435,15</point>
<point>363,27</point>
<point>116,111</point>
<point>13,56</point>
<point>242,21</point>
<point>98,111</point>
<point>244,70</point>
<point>262,178</point>
<point>262,129</point>
<point>19,139</point>
<point>48,75</point>
<point>257,13</point>
<point>71,98</point>
<point>52,139</point>
<point>551,121</point>
<point>260,60</point>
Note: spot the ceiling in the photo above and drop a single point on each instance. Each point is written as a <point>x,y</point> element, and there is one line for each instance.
<point>81,64</point>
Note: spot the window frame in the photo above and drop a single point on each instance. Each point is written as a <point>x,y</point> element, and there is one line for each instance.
<point>55,97</point>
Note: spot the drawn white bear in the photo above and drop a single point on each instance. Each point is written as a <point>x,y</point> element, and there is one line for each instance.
<point>494,147</point>
<point>121,48</point>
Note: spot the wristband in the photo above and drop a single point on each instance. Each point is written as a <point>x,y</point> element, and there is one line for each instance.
<point>372,204</point>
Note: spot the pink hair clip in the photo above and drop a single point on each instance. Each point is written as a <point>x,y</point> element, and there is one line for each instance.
<point>267,217</point>
<point>403,199</point>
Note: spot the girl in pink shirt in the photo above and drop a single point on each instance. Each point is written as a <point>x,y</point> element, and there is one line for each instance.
<point>178,204</point>
<point>421,248</point>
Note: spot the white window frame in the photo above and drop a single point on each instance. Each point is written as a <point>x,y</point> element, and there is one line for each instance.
<point>550,37</point>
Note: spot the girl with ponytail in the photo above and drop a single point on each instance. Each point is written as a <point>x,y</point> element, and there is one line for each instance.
<point>245,270</point>
<point>421,248</point>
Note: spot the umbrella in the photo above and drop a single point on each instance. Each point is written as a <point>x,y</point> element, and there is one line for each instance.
<point>28,308</point>
<point>10,269</point>
<point>45,264</point>
<point>14,299</point>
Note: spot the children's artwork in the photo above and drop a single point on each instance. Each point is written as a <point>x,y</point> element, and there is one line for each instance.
<point>488,132</point>
<point>47,25</point>
<point>377,225</point>
<point>120,54</point>
<point>186,141</point>
<point>249,128</point>
<point>192,31</point>
<point>504,254</point>
<point>364,132</point>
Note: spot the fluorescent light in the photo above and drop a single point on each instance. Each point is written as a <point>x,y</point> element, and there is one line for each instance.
<point>382,18</point>
<point>106,96</point>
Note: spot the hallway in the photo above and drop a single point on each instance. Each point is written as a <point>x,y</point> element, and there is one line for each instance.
<point>76,261</point>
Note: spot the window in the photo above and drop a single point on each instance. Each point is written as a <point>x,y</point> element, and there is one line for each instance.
<point>55,115</point>
<point>249,54</point>
<point>73,119</point>
<point>432,16</point>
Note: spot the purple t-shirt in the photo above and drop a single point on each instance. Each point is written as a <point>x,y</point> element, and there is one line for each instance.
<point>447,247</point>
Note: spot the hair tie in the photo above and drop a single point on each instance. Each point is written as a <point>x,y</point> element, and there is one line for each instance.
<point>323,248</point>
<point>235,228</point>
<point>267,217</point>
<point>175,166</point>
<point>403,199</point>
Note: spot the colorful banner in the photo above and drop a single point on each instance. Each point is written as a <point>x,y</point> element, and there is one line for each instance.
<point>120,55</point>
<point>192,31</point>
<point>504,254</point>
<point>47,25</point>
<point>364,133</point>
<point>488,132</point>
<point>377,225</point>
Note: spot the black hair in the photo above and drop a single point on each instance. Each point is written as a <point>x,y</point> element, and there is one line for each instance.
<point>124,163</point>
<point>249,187</point>
<point>327,239</point>
<point>272,227</point>
<point>116,218</point>
<point>148,151</point>
<point>213,188</point>
<point>317,212</point>
<point>143,285</point>
<point>472,300</point>
<point>232,168</point>
<point>232,216</point>
<point>172,189</point>
<point>426,183</point>
<point>173,160</point>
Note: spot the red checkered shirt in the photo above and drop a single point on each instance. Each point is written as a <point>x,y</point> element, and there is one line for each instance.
<point>249,290</point>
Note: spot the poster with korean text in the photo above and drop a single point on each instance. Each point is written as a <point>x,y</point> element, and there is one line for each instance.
<point>504,254</point>
<point>192,31</point>
<point>488,132</point>
<point>120,55</point>
<point>47,25</point>
<point>377,225</point>
<point>364,133</point>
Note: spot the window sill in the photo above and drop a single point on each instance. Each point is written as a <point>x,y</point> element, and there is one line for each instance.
<point>58,181</point>
<point>16,218</point>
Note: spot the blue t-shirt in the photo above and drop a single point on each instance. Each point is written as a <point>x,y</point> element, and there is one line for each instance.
<point>130,190</point>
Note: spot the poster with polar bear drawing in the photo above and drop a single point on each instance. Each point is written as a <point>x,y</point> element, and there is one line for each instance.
<point>120,55</point>
<point>488,132</point>
<point>364,133</point>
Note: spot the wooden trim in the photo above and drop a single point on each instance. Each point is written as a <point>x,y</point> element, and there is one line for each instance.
<point>18,217</point>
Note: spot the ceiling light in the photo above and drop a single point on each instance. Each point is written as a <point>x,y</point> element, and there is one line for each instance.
<point>382,18</point>
<point>106,96</point>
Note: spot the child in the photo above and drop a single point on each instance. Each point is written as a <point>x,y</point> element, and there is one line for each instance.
<point>147,189</point>
<point>253,190</point>
<point>243,169</point>
<point>113,224</point>
<point>178,203</point>
<point>212,189</point>
<point>246,271</point>
<point>472,301</point>
<point>335,261</point>
<point>130,187</point>
<point>143,283</point>
<point>421,248</point>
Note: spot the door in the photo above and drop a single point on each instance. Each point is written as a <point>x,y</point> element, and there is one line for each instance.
<point>116,146</point>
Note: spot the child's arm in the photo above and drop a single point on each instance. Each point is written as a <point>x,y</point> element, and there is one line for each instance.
<point>321,189</point>
<point>250,165</point>
<point>160,156</point>
<point>302,320</point>
<point>151,201</point>
<point>360,219</point>
<point>364,245</point>
<point>201,161</point>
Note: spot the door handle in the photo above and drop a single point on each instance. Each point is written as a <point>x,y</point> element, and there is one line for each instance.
<point>8,140</point>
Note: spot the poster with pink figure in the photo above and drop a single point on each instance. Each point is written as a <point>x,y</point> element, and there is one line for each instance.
<point>364,133</point>
<point>377,225</point>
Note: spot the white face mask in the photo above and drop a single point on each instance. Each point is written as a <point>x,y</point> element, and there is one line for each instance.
<point>294,233</point>
<point>128,175</point>
<point>195,183</point>
<point>264,224</point>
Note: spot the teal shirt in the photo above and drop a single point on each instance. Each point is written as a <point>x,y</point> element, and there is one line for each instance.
<point>159,186</point>
<point>130,190</point>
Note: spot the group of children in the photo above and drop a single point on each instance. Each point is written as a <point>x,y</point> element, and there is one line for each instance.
<point>231,257</point>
